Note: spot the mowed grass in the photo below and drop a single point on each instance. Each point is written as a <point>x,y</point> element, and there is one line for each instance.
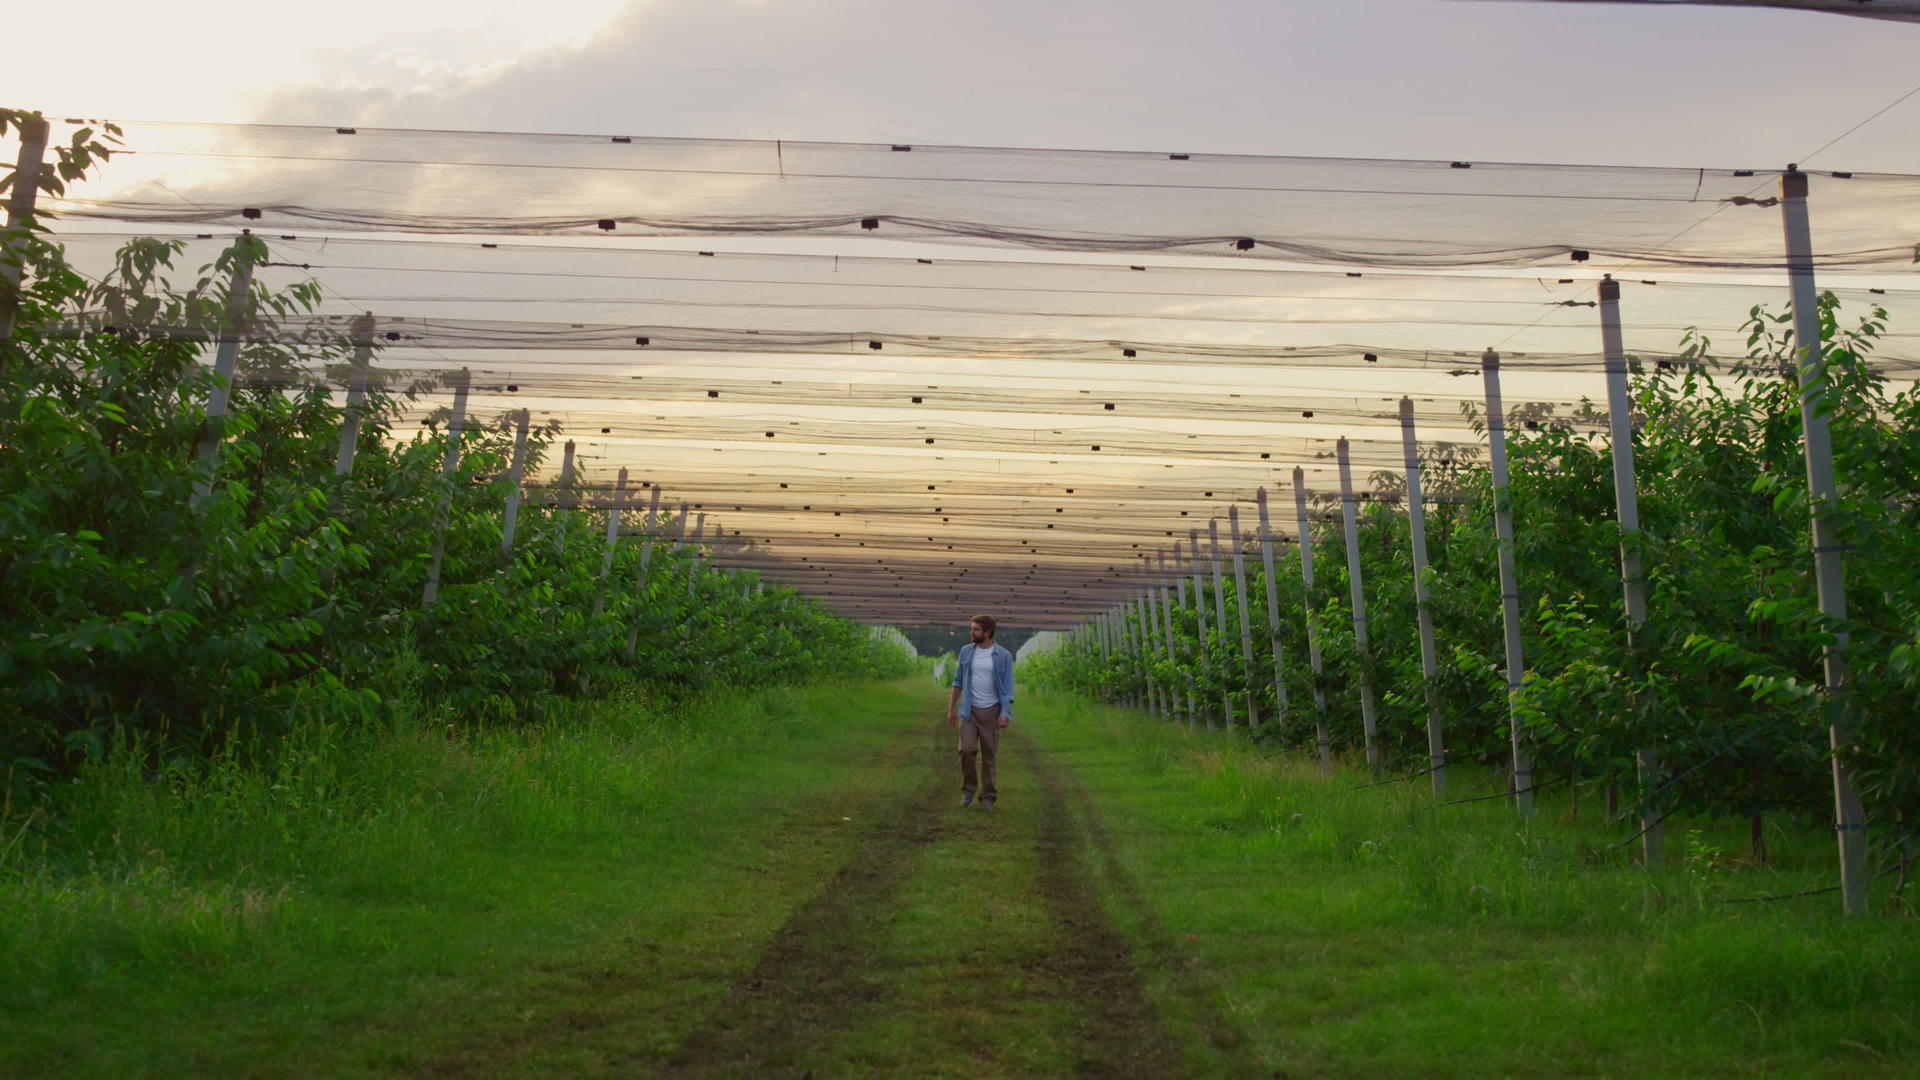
<point>1378,935</point>
<point>434,900</point>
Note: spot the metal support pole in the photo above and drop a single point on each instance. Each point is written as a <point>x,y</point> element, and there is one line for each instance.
<point>1179,612</point>
<point>1106,646</point>
<point>1137,627</point>
<point>613,523</point>
<point>225,357</point>
<point>647,527</point>
<point>1633,579</point>
<point>456,425</point>
<point>1509,579</point>
<point>1205,659</point>
<point>1850,815</point>
<point>1273,609</point>
<point>1161,707</point>
<point>613,541</point>
<point>516,473</point>
<point>1350,518</point>
<point>1322,733</point>
<point>1246,623</point>
<point>354,413</point>
<point>1170,636</point>
<point>1423,599</point>
<point>1220,618</point>
<point>1143,604</point>
<point>1187,667</point>
<point>20,208</point>
<point>693,553</point>
<point>1131,623</point>
<point>1130,647</point>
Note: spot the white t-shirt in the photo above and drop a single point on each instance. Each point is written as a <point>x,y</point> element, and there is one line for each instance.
<point>981,688</point>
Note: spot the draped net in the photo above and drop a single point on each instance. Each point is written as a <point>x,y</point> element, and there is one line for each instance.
<point>922,429</point>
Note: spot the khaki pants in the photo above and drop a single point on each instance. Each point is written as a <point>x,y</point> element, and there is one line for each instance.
<point>980,733</point>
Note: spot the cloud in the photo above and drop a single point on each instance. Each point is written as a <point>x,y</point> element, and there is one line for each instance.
<point>1378,78</point>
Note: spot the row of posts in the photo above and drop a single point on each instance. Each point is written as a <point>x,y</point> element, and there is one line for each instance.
<point>1143,630</point>
<point>1154,615</point>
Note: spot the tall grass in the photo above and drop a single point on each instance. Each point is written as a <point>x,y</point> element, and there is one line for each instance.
<point>122,876</point>
<point>1321,901</point>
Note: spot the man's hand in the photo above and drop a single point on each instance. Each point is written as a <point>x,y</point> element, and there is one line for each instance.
<point>953,719</point>
<point>1005,719</point>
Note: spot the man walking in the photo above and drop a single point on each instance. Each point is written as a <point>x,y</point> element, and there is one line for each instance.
<point>984,680</point>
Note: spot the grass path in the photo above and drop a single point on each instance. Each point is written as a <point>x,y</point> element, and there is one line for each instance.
<point>940,942</point>
<point>785,886</point>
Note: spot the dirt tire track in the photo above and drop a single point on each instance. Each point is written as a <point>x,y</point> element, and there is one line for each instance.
<point>604,993</point>
<point>808,981</point>
<point>1121,1034</point>
<point>822,969</point>
<point>1075,838</point>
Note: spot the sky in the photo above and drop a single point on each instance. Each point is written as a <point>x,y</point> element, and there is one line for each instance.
<point>1434,79</point>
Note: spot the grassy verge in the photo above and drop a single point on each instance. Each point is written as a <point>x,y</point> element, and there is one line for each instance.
<point>1358,932</point>
<point>432,901</point>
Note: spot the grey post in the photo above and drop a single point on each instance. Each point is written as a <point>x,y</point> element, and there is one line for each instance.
<point>1633,579</point>
<point>1273,608</point>
<point>613,522</point>
<point>352,416</point>
<point>1356,588</point>
<point>225,357</point>
<point>1322,733</point>
<point>1106,638</point>
<point>1134,622</point>
<point>516,473</point>
<point>1205,659</point>
<point>1129,625</point>
<point>1246,624</point>
<point>456,425</point>
<point>1179,592</point>
<point>693,553</point>
<point>647,528</point>
<point>1157,607</point>
<point>1143,605</point>
<point>1850,815</point>
<point>20,207</point>
<point>565,495</point>
<point>1220,613</point>
<point>1183,687</point>
<point>1509,579</point>
<point>1152,612</point>
<point>1163,604</point>
<point>613,541</point>
<point>1423,599</point>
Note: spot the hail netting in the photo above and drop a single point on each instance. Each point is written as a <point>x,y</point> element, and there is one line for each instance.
<point>1314,210</point>
<point>1901,10</point>
<point>556,301</point>
<point>1074,458</point>
<point>910,436</point>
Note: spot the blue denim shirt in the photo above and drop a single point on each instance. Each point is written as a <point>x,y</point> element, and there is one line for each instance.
<point>1002,678</point>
